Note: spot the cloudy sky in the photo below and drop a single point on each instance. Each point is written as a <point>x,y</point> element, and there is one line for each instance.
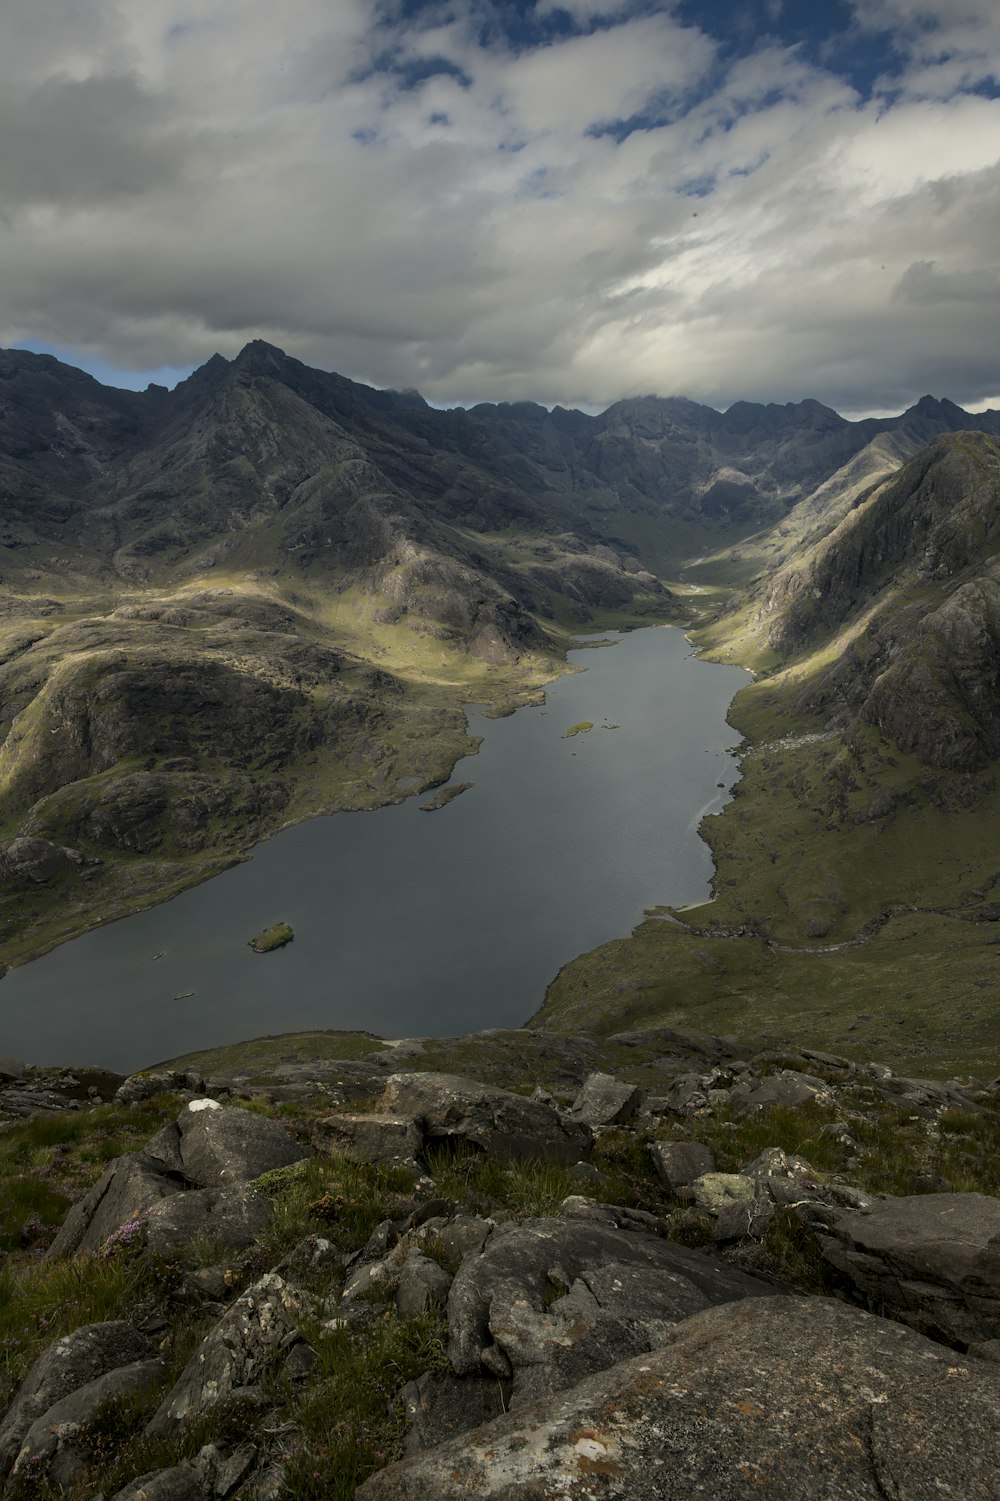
<point>500,199</point>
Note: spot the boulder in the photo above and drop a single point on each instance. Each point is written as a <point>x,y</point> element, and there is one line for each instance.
<point>932,1259</point>
<point>713,1191</point>
<point>151,1082</point>
<point>235,1353</point>
<point>123,1194</point>
<point>799,1399</point>
<point>220,1473</point>
<point>743,1219</point>
<point>450,1108</point>
<point>178,1483</point>
<point>775,1163</point>
<point>49,1444</point>
<point>389,1140</point>
<point>233,1217</point>
<point>439,1406</point>
<point>163,1151</point>
<point>932,1094</point>
<point>604,1101</point>
<point>67,1365</point>
<point>227,1145</point>
<point>30,1102</point>
<point>422,1285</point>
<point>678,1163</point>
<point>463,1235</point>
<point>787,1087</point>
<point>550,1300</point>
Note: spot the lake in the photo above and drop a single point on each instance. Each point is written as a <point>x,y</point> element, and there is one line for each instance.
<point>421,924</point>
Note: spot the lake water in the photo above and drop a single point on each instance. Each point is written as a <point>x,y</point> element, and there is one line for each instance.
<point>410,923</point>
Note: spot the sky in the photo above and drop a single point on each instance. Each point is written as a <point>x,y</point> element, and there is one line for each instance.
<point>565,202</point>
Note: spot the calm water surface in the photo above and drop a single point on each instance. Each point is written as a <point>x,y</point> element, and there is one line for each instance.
<point>410,923</point>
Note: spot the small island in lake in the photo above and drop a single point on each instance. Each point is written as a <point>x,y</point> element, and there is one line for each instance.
<point>272,938</point>
<point>446,795</point>
<point>578,729</point>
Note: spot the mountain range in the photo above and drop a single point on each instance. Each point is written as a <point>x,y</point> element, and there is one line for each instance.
<point>268,592</point>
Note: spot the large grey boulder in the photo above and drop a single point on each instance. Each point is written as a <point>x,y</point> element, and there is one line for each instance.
<point>713,1192</point>
<point>49,1442</point>
<point>388,1140</point>
<point>798,1399</point>
<point>68,1364</point>
<point>450,1108</point>
<point>123,1194</point>
<point>605,1101</point>
<point>221,1144</point>
<point>232,1217</point>
<point>932,1259</point>
<point>678,1163</point>
<point>550,1300</point>
<point>423,1284</point>
<point>787,1087</point>
<point>37,860</point>
<point>216,1148</point>
<point>235,1353</point>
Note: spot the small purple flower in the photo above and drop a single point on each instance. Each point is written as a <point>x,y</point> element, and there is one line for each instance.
<point>124,1238</point>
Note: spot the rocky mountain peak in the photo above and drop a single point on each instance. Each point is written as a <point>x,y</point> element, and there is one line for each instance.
<point>260,358</point>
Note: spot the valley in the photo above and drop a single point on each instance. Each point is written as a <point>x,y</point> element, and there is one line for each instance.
<point>268,593</point>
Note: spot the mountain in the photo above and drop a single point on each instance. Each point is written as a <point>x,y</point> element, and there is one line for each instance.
<point>912,576</point>
<point>857,882</point>
<point>268,592</point>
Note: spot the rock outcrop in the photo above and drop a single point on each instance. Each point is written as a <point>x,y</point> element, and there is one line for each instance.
<point>931,1260</point>
<point>70,1364</point>
<point>799,1399</point>
<point>450,1109</point>
<point>661,1347</point>
<point>191,1179</point>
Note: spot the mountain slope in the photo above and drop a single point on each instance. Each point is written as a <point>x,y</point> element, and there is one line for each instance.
<point>913,574</point>
<point>857,878</point>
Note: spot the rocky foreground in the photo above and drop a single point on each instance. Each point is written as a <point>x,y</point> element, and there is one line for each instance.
<point>373,1277</point>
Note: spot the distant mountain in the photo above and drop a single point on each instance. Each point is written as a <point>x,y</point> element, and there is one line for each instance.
<point>338,466</point>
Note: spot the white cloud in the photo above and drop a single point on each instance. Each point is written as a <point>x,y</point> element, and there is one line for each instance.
<point>949,44</point>
<point>180,177</point>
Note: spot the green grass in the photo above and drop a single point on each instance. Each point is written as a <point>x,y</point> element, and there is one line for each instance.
<point>41,1301</point>
<point>803,1132</point>
<point>488,1185</point>
<point>48,1162</point>
<point>351,1422</point>
<point>578,729</point>
<point>329,1196</point>
<point>263,1054</point>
